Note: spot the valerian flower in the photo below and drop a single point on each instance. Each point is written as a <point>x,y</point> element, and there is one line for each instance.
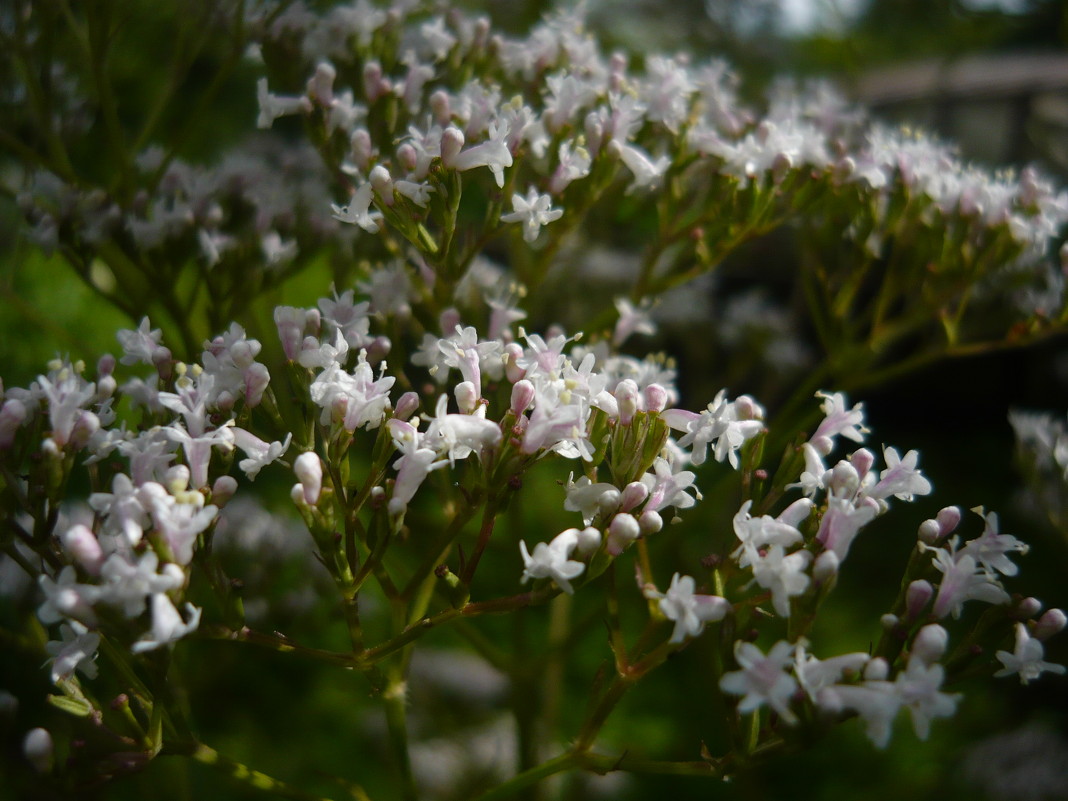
<point>762,679</point>
<point>552,560</point>
<point>689,610</point>
<point>1026,660</point>
<point>533,211</point>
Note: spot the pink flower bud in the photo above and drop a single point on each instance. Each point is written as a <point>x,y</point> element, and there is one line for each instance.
<point>38,748</point>
<point>408,157</point>
<point>608,502</point>
<point>656,398</point>
<point>374,86</point>
<point>622,531</point>
<point>83,545</point>
<point>747,409</point>
<point>948,520</point>
<point>309,471</point>
<point>321,85</point>
<point>1051,622</point>
<point>650,522</point>
<point>382,183</point>
<point>589,540</point>
<point>361,148</point>
<point>12,415</point>
<point>862,461</point>
<point>627,396</point>
<point>523,393</point>
<point>512,352</point>
<point>452,142</point>
<point>930,643</point>
<point>825,568</point>
<point>406,406</point>
<point>1028,607</point>
<point>929,532</point>
<point>448,320</point>
<point>378,349</point>
<point>256,380</point>
<point>467,396</point>
<point>161,359</point>
<point>105,365</point>
<point>877,669</point>
<point>634,494</point>
<point>223,490</point>
<point>440,107</point>
<point>917,596</point>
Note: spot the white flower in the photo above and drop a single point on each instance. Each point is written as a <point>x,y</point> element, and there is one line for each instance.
<point>551,560</point>
<point>1026,660</point>
<point>918,688</point>
<point>779,572</point>
<point>901,478</point>
<point>533,211</point>
<point>76,651</point>
<point>991,549</point>
<point>260,454</point>
<point>963,580</point>
<point>689,610</point>
<point>139,345</point>
<point>358,211</point>
<point>167,624</point>
<point>762,679</point>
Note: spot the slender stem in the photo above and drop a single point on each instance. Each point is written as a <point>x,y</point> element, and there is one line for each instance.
<point>558,764</point>
<point>253,779</point>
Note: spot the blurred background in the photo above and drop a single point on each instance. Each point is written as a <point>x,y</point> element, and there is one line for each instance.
<point>990,76</point>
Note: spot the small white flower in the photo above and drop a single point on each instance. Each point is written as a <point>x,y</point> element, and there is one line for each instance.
<point>689,610</point>
<point>533,211</point>
<point>551,560</point>
<point>1026,660</point>
<point>358,211</point>
<point>762,679</point>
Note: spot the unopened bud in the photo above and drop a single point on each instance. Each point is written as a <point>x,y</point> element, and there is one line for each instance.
<point>1028,608</point>
<point>523,394</point>
<point>650,522</point>
<point>589,540</point>
<point>467,396</point>
<point>38,748</point>
<point>862,461</point>
<point>512,371</point>
<point>382,183</point>
<point>917,596</point>
<point>321,84</point>
<point>257,378</point>
<point>12,415</point>
<point>309,471</point>
<point>361,149</point>
<point>223,490</point>
<point>1051,622</point>
<point>608,501</point>
<point>406,406</point>
<point>408,157</point>
<point>83,545</point>
<point>656,398</point>
<point>452,142</point>
<point>948,520</point>
<point>877,669</point>
<point>634,494</point>
<point>176,479</point>
<point>449,319</point>
<point>825,568</point>
<point>440,106</point>
<point>930,643</point>
<point>627,396</point>
<point>929,532</point>
<point>622,531</point>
